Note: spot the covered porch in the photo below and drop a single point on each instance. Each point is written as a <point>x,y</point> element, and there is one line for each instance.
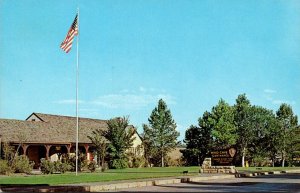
<point>52,151</point>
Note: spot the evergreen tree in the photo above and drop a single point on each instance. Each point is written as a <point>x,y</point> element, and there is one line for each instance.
<point>198,141</point>
<point>161,131</point>
<point>224,129</point>
<point>120,135</point>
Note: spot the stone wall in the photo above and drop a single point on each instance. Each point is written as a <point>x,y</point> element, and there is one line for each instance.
<point>218,169</point>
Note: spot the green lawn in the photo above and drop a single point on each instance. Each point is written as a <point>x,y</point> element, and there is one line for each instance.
<point>109,175</point>
<point>114,175</point>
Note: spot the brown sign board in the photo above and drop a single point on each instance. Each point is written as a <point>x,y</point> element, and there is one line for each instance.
<point>223,157</point>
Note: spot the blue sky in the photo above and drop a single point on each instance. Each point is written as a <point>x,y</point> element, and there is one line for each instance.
<point>191,53</point>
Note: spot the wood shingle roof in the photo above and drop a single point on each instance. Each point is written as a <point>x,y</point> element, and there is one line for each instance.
<point>49,129</point>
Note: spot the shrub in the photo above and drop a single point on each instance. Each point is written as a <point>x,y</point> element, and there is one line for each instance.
<point>61,167</point>
<point>130,156</point>
<point>8,152</point>
<point>13,162</point>
<point>174,162</point>
<point>260,161</point>
<point>21,164</point>
<point>68,159</point>
<point>71,161</point>
<point>4,168</point>
<point>92,166</point>
<point>118,164</point>
<point>138,162</point>
<point>105,167</point>
<point>47,167</point>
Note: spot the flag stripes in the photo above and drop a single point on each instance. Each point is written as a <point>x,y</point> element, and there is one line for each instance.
<point>66,45</point>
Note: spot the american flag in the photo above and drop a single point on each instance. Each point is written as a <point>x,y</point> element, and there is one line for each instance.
<point>66,45</point>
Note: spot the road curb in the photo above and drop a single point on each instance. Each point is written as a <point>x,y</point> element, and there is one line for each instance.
<point>201,178</point>
<point>244,175</point>
<point>154,182</point>
<point>114,186</point>
<point>134,184</point>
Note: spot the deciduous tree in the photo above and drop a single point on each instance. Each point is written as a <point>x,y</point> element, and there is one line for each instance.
<point>101,145</point>
<point>288,121</point>
<point>198,141</point>
<point>262,121</point>
<point>120,135</point>
<point>242,117</point>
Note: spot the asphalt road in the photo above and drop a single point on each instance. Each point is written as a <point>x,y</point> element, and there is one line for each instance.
<point>268,183</point>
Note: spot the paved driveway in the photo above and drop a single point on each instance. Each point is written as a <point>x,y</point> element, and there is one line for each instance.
<point>269,183</point>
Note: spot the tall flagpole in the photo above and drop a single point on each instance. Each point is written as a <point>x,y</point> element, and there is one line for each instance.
<point>77,76</point>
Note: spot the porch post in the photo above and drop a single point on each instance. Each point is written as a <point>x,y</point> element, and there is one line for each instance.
<point>86,146</point>
<point>69,148</point>
<point>47,151</point>
<point>24,147</point>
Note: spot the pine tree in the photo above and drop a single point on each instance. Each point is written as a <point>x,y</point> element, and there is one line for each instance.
<point>224,129</point>
<point>161,131</point>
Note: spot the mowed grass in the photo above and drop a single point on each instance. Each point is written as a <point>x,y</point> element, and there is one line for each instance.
<point>109,175</point>
<point>115,175</point>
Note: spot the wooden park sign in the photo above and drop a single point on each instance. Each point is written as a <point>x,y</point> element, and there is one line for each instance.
<point>223,157</point>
